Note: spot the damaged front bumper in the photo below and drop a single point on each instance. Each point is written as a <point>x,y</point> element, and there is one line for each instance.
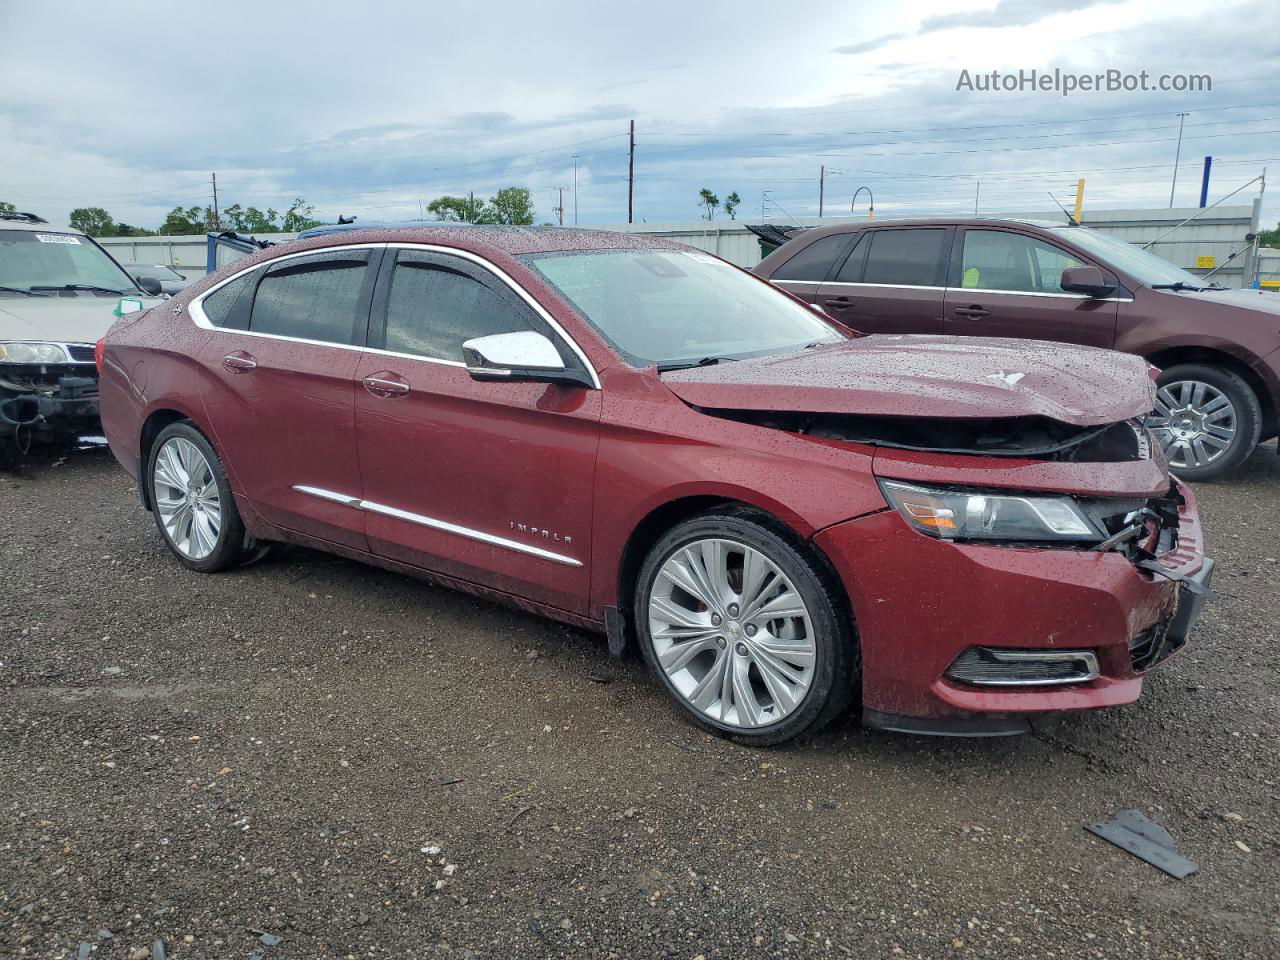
<point>1128,609</point>
<point>44,408</point>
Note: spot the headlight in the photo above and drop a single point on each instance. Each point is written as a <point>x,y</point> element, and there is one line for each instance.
<point>978,515</point>
<point>32,353</point>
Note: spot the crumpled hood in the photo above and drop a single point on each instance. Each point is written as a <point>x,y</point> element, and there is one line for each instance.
<point>931,376</point>
<point>79,319</point>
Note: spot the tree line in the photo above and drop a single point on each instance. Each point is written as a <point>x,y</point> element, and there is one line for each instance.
<point>510,205</point>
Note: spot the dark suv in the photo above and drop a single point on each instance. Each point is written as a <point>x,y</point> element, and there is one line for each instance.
<point>1218,349</point>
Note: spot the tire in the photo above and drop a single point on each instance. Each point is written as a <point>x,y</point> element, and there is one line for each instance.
<point>1199,408</point>
<point>178,453</point>
<point>712,657</point>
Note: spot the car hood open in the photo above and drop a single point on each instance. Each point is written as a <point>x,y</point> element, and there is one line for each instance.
<point>79,319</point>
<point>930,376</point>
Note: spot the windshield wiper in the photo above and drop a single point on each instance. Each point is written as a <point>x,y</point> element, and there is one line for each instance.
<point>90,287</point>
<point>1180,285</point>
<point>18,290</point>
<point>687,364</point>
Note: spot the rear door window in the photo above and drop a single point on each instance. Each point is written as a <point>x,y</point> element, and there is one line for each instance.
<point>814,262</point>
<point>224,307</point>
<point>910,258</point>
<point>313,298</point>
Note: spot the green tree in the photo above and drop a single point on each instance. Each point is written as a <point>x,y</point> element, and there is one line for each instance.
<point>731,204</point>
<point>709,203</point>
<point>458,209</point>
<point>94,221</point>
<point>298,217</point>
<point>182,222</point>
<point>511,205</point>
<point>125,230</point>
<point>251,219</point>
<point>6,207</point>
<point>1269,238</point>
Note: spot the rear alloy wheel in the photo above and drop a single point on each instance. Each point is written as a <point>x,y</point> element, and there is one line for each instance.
<point>744,630</point>
<point>1207,420</point>
<point>193,504</point>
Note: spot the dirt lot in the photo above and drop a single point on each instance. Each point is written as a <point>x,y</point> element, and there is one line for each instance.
<point>364,765</point>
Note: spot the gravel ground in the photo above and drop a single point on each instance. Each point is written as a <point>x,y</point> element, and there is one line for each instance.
<point>364,765</point>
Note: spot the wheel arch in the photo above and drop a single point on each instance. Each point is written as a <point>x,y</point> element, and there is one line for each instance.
<point>154,424</point>
<point>1211,356</point>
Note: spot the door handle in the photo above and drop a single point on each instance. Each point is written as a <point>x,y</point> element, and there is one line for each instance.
<point>972,313</point>
<point>382,387</point>
<point>840,303</point>
<point>239,362</point>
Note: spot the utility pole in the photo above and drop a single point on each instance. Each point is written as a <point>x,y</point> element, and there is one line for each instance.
<point>471,205</point>
<point>977,188</point>
<point>631,176</point>
<point>822,182</point>
<point>217,221</point>
<point>1079,199</point>
<point>560,209</point>
<point>1176,157</point>
<point>575,193</point>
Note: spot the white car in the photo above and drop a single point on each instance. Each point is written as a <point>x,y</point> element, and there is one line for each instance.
<point>58,293</point>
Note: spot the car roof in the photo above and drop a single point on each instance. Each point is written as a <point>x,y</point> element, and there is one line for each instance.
<point>510,240</point>
<point>33,224</point>
<point>847,226</point>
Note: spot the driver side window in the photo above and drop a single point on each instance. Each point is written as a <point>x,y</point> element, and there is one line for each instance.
<point>434,307</point>
<point>999,260</point>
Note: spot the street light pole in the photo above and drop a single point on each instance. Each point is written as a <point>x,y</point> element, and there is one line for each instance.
<point>575,190</point>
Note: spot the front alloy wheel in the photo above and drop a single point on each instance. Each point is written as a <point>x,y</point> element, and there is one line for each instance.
<point>732,633</point>
<point>746,628</point>
<point>1206,419</point>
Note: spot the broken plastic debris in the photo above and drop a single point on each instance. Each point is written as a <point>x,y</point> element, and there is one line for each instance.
<point>1132,831</point>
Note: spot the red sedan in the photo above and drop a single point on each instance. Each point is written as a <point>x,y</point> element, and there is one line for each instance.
<point>632,436</point>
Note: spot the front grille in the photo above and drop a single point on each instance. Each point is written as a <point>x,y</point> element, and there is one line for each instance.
<point>987,667</point>
<point>1151,646</point>
<point>80,352</point>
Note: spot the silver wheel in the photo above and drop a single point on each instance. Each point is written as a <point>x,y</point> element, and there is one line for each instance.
<point>1195,422</point>
<point>186,498</point>
<point>732,633</point>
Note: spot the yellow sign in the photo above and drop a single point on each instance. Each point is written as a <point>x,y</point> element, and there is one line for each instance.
<point>1205,263</point>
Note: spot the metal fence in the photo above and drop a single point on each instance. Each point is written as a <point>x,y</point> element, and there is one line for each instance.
<point>1213,241</point>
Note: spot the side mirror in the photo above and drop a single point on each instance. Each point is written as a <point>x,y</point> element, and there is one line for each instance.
<point>149,285</point>
<point>523,355</point>
<point>1086,280</point>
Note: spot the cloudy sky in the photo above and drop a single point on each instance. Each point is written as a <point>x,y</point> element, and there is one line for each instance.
<point>370,107</point>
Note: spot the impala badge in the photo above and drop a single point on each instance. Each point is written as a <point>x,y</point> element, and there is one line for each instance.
<point>533,530</point>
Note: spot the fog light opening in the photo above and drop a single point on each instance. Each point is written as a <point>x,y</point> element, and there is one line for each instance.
<point>990,667</point>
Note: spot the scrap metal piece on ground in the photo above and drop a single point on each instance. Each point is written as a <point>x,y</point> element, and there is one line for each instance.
<point>1132,831</point>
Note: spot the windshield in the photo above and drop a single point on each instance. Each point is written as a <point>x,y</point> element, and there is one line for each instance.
<point>55,260</point>
<point>674,307</point>
<point>1144,267</point>
<point>159,271</point>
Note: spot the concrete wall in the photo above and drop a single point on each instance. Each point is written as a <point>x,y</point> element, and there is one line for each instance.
<point>1218,234</point>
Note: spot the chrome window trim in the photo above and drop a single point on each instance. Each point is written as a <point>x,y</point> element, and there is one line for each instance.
<point>200,319</point>
<point>444,526</point>
<point>982,290</point>
<point>520,291</point>
<point>1035,293</point>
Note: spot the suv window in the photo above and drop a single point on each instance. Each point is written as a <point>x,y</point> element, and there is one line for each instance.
<point>999,260</point>
<point>814,261</point>
<point>219,306</point>
<point>904,257</point>
<point>433,306</point>
<point>313,298</point>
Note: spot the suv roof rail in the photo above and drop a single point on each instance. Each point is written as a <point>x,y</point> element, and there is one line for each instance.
<point>19,215</point>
